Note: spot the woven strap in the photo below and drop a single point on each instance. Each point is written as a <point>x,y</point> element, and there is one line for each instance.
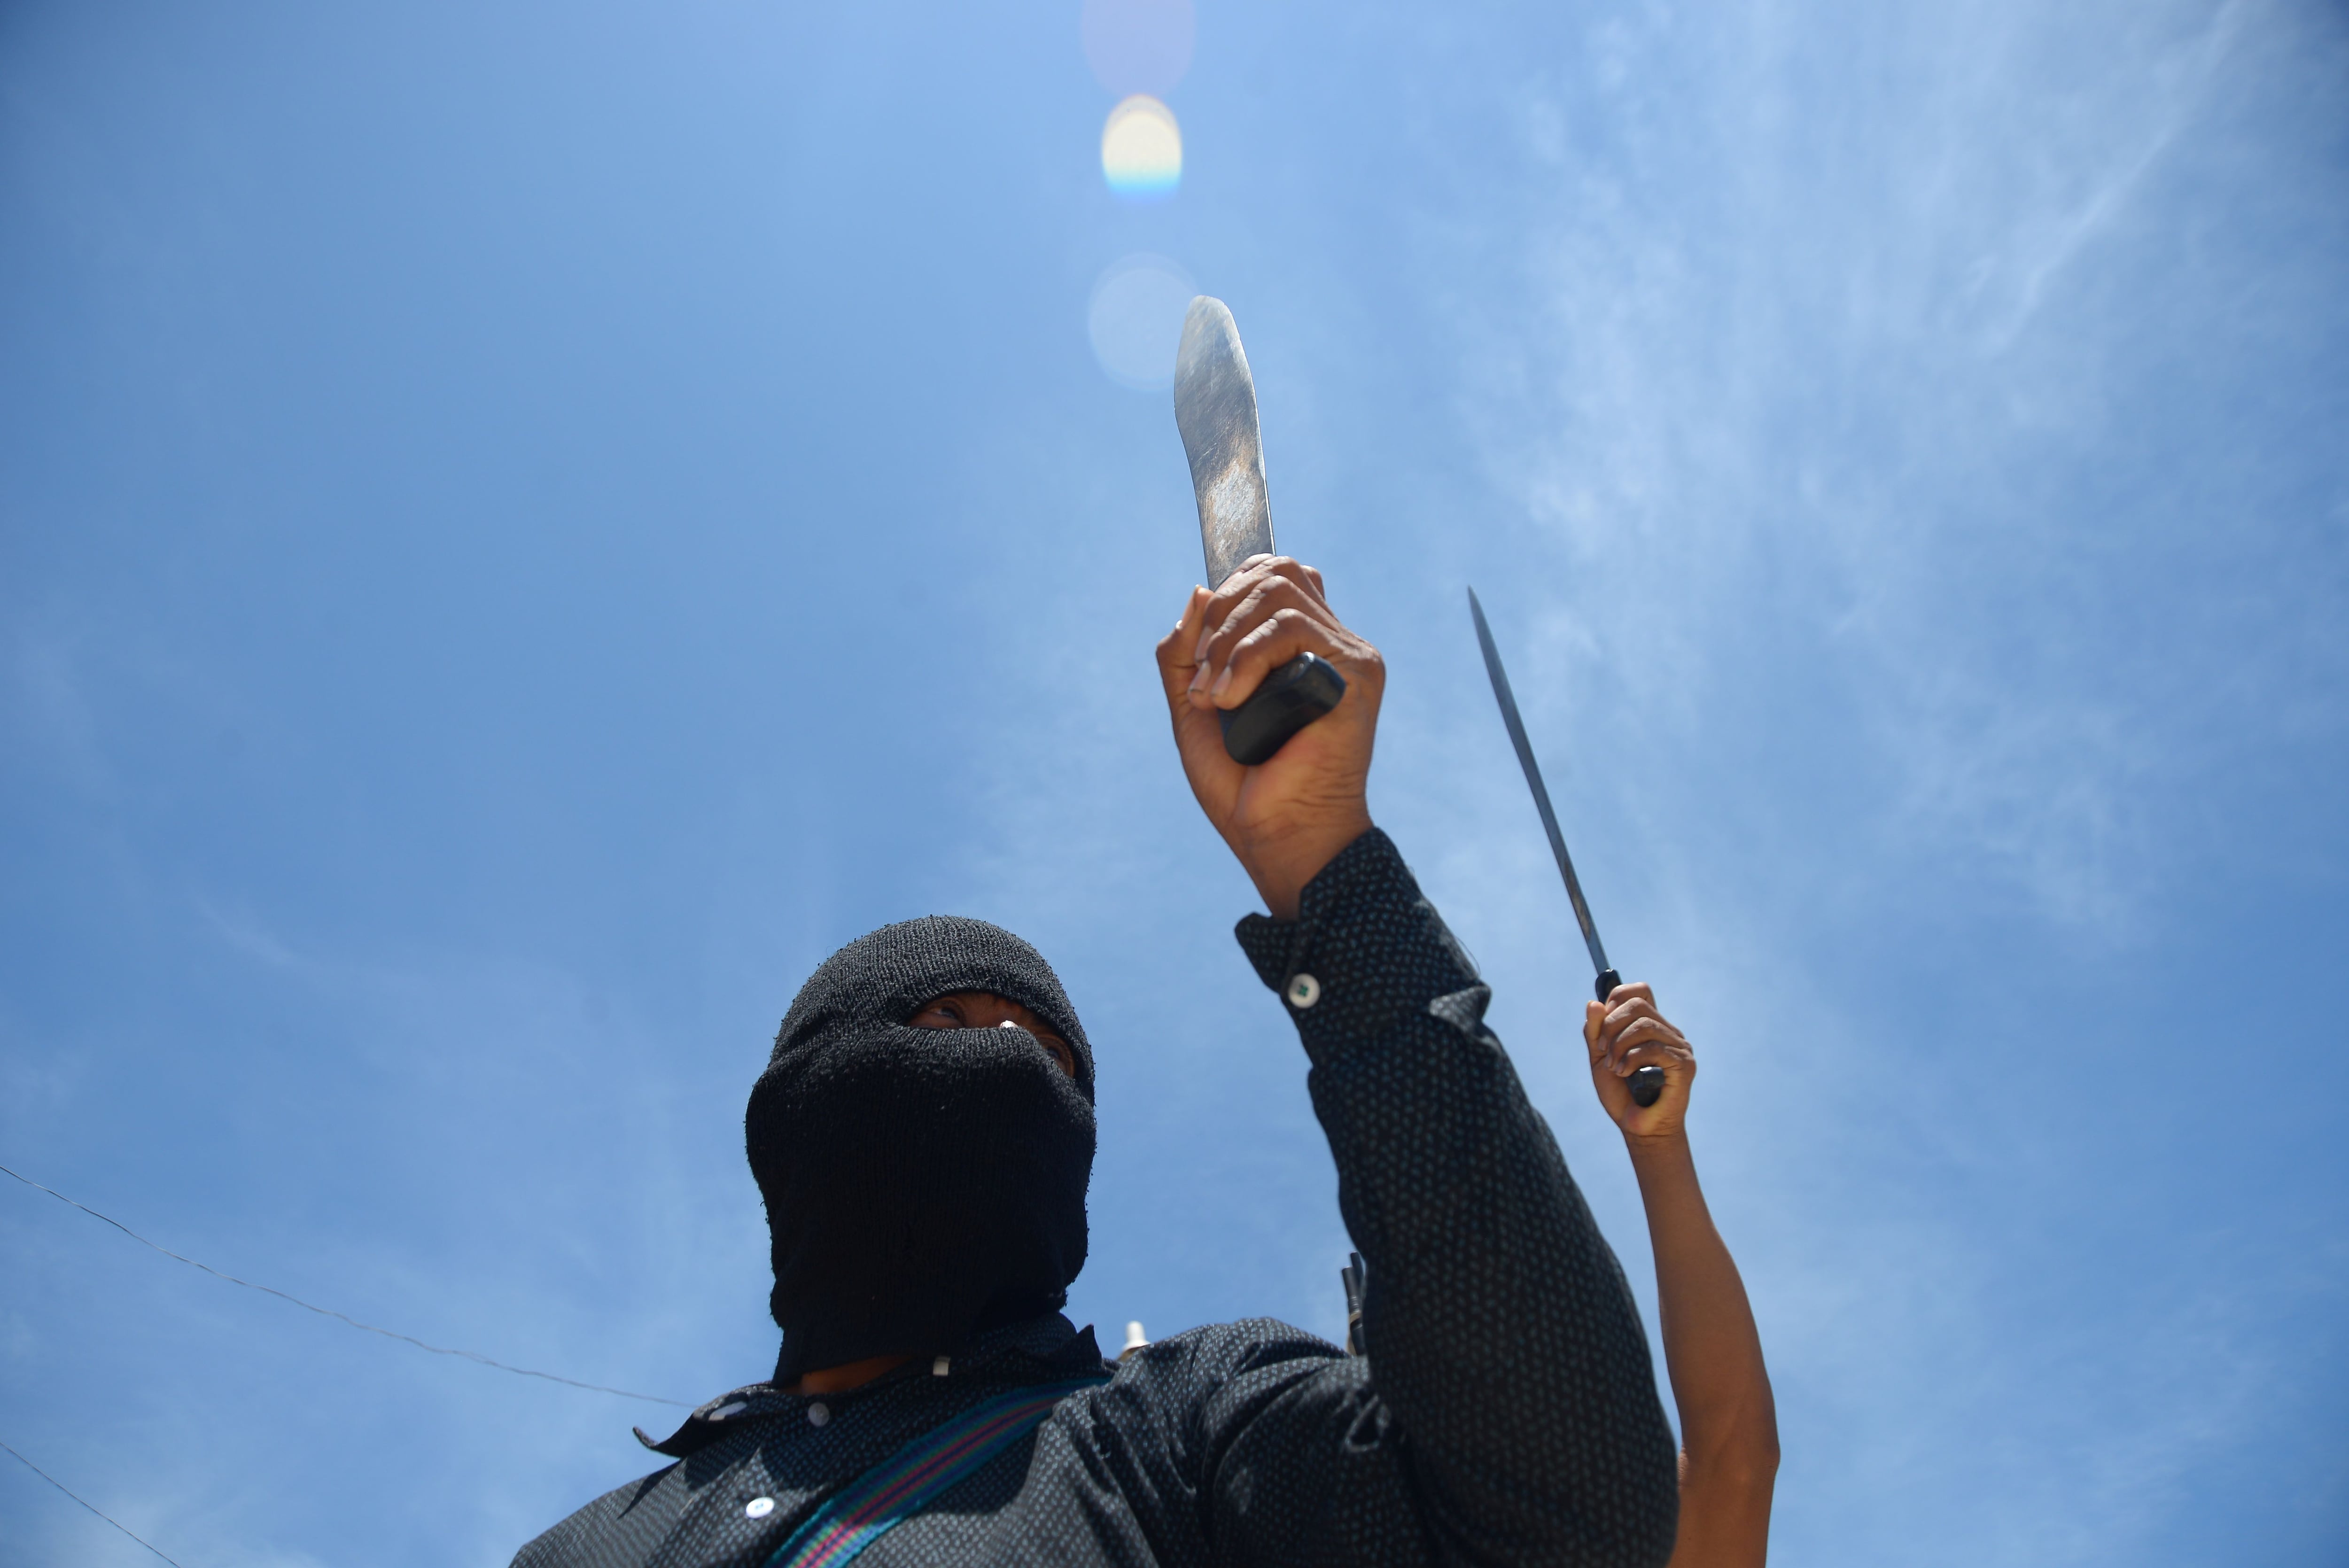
<point>916,1475</point>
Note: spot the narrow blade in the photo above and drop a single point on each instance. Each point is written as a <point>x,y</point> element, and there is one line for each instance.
<point>1215,408</point>
<point>1517,727</point>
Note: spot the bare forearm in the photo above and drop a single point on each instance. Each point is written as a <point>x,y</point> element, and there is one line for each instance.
<point>1729,1429</point>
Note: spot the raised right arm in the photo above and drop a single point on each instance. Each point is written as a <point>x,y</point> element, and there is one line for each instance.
<point>1506,1410</point>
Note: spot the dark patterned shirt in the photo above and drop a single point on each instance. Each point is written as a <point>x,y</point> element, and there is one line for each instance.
<point>1505,1411</point>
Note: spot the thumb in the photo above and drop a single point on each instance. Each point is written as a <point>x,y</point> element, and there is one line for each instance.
<point>1176,664</point>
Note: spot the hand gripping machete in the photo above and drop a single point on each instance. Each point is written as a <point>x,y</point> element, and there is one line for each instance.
<point>1647,1083</point>
<point>1215,408</point>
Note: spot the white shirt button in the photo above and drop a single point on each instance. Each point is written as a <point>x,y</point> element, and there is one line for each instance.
<point>759,1508</point>
<point>1303,991</point>
<point>818,1414</point>
<point>735,1408</point>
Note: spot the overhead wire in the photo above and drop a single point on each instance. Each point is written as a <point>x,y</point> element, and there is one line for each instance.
<point>339,1317</point>
<point>85,1502</point>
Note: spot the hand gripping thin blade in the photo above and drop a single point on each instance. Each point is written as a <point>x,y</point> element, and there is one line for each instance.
<point>1215,408</point>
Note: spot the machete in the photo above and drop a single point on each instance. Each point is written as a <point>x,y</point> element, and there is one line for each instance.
<point>1648,1083</point>
<point>1215,408</point>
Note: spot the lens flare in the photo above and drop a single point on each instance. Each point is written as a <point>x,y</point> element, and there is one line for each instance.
<point>1135,320</point>
<point>1138,45</point>
<point>1142,150</point>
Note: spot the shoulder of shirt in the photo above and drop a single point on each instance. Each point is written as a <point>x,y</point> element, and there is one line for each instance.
<point>574,1540</point>
<point>1219,1352</point>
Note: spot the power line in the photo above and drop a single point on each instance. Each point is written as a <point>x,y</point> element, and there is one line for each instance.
<point>76,1497</point>
<point>330,1311</point>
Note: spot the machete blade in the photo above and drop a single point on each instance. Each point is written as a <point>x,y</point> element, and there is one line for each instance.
<point>1215,408</point>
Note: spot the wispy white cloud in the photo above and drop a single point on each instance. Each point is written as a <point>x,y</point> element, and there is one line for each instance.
<point>1809,385</point>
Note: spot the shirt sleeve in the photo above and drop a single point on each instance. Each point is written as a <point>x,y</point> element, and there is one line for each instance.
<point>1506,1410</point>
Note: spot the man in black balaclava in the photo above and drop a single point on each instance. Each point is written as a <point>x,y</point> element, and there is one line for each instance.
<point>923,1134</point>
<point>925,1178</point>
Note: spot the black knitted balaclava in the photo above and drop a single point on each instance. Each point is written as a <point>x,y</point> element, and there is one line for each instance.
<point>920,1183</point>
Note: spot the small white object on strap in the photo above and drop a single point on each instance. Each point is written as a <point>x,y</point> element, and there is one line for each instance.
<point>1135,1340</point>
<point>938,1367</point>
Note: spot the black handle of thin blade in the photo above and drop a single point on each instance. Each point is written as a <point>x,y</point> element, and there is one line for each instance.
<point>1647,1083</point>
<point>1291,697</point>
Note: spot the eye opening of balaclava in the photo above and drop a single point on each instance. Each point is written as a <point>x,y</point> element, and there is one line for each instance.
<point>920,1185</point>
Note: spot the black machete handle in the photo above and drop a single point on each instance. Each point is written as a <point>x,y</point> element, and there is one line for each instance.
<point>1648,1083</point>
<point>1291,697</point>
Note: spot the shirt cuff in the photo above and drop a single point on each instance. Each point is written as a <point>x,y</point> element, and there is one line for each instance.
<point>1365,951</point>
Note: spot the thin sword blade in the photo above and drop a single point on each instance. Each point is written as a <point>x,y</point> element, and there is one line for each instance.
<point>1516,726</point>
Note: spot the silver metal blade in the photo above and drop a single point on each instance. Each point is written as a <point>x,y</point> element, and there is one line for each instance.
<point>1215,408</point>
<point>1517,727</point>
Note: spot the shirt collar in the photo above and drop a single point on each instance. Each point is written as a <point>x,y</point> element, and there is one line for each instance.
<point>1032,1350</point>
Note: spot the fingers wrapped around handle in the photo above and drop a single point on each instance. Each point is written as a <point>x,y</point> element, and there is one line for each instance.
<point>1287,806</point>
<point>1627,1037</point>
<point>1264,615</point>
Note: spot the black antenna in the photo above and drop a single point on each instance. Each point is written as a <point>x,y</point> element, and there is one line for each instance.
<point>1351,1276</point>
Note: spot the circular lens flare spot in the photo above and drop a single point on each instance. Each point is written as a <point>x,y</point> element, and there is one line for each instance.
<point>1141,150</point>
<point>1138,45</point>
<point>1135,320</point>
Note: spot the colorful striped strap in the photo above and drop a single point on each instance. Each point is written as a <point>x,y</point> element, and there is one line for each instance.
<point>916,1475</point>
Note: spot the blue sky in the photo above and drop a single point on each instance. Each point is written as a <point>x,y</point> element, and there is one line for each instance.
<point>523,527</point>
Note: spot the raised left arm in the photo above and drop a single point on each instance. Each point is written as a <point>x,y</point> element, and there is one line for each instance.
<point>1729,1421</point>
